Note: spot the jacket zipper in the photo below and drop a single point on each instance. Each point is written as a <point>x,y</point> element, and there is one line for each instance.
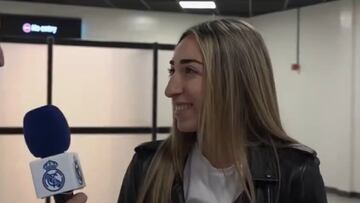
<point>268,194</point>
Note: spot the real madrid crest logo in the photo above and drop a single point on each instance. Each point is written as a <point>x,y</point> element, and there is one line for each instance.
<point>53,179</point>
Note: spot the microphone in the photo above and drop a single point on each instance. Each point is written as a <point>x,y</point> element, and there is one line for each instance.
<point>56,172</point>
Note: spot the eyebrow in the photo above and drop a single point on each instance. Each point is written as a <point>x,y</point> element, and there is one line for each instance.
<point>184,61</point>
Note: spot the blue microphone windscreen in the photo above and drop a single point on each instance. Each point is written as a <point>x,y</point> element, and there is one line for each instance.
<point>46,131</point>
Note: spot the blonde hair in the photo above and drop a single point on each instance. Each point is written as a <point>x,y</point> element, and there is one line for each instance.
<point>239,107</point>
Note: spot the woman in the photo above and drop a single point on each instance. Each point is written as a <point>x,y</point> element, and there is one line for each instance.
<point>227,143</point>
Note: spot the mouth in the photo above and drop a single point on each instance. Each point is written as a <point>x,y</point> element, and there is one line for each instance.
<point>181,107</point>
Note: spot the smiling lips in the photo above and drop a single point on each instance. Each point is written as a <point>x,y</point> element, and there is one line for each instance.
<point>181,107</point>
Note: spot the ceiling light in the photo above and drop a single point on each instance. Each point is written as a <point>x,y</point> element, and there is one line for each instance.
<point>197,4</point>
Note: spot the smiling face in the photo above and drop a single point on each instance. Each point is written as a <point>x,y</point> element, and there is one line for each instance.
<point>185,86</point>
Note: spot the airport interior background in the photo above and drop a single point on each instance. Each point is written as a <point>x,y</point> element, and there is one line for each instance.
<point>109,83</point>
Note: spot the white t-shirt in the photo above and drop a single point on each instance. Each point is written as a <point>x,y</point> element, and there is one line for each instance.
<point>205,184</point>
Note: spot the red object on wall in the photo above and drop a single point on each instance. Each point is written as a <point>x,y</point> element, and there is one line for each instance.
<point>295,67</point>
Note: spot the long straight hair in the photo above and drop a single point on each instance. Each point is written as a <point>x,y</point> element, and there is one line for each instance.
<point>239,106</point>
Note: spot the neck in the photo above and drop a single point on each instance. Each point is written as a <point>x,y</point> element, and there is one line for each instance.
<point>219,161</point>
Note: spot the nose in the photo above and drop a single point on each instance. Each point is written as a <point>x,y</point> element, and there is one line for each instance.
<point>174,86</point>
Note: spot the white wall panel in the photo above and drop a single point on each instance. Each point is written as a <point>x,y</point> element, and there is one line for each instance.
<point>15,180</point>
<point>162,136</point>
<point>282,52</point>
<point>23,81</point>
<point>356,122</point>
<point>164,103</point>
<point>104,159</point>
<point>315,103</point>
<point>103,86</point>
<point>326,60</point>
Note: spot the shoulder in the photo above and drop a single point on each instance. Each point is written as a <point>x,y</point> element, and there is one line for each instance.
<point>301,174</point>
<point>136,171</point>
<point>292,158</point>
<point>298,153</point>
<point>298,161</point>
<point>146,151</point>
<point>148,147</point>
<point>300,148</point>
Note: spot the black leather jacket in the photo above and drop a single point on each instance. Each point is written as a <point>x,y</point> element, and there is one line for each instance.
<point>300,181</point>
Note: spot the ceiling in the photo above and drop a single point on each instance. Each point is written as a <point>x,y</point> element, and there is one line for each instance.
<point>242,8</point>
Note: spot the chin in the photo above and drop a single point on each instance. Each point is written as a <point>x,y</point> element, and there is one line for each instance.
<point>186,130</point>
<point>186,127</point>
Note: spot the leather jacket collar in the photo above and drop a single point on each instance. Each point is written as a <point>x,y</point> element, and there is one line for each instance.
<point>264,173</point>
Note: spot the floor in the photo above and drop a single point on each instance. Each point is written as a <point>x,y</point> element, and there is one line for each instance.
<point>332,198</point>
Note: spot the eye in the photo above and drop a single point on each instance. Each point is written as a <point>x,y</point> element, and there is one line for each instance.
<point>171,71</point>
<point>189,70</point>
